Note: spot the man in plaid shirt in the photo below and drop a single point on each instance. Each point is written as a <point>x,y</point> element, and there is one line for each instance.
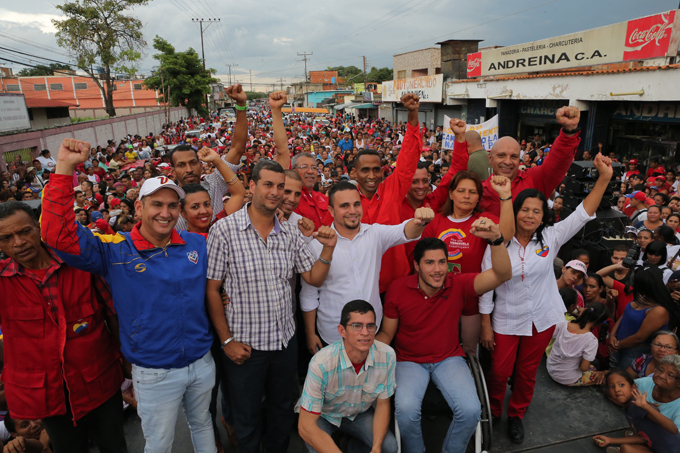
<point>344,380</point>
<point>253,256</point>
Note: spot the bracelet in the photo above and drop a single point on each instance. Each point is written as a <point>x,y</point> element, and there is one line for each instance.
<point>506,199</point>
<point>498,241</point>
<point>232,180</point>
<point>326,262</point>
<point>227,341</point>
<point>238,107</point>
<point>573,131</point>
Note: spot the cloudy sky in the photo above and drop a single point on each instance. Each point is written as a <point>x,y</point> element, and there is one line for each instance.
<point>265,36</point>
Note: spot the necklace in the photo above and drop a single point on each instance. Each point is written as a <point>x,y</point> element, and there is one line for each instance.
<point>521,257</point>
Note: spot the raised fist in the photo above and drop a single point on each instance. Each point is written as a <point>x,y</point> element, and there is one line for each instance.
<point>326,236</point>
<point>411,101</point>
<point>277,99</point>
<point>457,126</point>
<point>207,154</point>
<point>485,228</point>
<point>73,152</point>
<point>238,94</point>
<point>306,226</point>
<point>423,216</point>
<point>568,117</point>
<point>501,185</point>
<point>604,166</point>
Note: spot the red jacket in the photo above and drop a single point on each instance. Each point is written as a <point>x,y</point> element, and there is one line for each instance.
<point>313,205</point>
<point>545,177</point>
<point>56,336</point>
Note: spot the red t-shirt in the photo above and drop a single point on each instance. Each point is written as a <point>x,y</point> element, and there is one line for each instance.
<point>358,366</point>
<point>465,250</point>
<point>428,327</point>
<point>623,299</point>
<point>40,273</point>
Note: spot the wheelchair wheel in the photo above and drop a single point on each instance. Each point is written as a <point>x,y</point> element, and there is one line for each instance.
<point>484,432</point>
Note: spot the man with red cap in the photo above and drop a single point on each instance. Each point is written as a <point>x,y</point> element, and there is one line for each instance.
<point>638,200</point>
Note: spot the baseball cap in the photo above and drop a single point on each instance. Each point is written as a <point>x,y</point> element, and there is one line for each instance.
<point>153,185</point>
<point>96,216</point>
<point>108,177</point>
<point>633,161</point>
<point>30,168</point>
<point>114,202</point>
<point>118,184</point>
<point>638,195</point>
<point>163,165</point>
<point>578,266</point>
<point>631,230</point>
<point>661,177</point>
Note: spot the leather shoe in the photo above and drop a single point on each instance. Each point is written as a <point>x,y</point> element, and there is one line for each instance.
<point>515,430</point>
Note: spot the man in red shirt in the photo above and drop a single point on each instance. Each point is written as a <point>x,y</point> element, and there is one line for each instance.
<point>62,364</point>
<point>313,205</point>
<point>504,159</point>
<point>422,312</point>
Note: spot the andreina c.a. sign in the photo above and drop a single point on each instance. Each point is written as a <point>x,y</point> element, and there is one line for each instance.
<point>647,37</point>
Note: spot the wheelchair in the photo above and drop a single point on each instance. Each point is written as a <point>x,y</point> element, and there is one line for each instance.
<point>434,404</point>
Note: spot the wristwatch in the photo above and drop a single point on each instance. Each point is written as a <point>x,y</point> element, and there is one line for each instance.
<point>226,342</point>
<point>498,241</point>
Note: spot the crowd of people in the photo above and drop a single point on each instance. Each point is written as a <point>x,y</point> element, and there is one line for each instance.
<point>240,258</point>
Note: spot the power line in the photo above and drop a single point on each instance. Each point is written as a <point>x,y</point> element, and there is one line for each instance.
<point>35,44</point>
<point>35,56</point>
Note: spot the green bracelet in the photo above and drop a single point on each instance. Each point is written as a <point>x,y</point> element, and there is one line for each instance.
<point>238,107</point>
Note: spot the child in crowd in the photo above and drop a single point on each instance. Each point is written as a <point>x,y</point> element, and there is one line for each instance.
<point>652,430</point>
<point>575,348</point>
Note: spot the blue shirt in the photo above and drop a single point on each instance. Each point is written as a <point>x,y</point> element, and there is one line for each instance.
<point>345,144</point>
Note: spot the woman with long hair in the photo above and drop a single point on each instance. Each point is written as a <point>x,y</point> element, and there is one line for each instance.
<point>518,325</point>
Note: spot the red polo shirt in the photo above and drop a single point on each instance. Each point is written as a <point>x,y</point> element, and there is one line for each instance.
<point>314,206</point>
<point>54,333</point>
<point>428,326</point>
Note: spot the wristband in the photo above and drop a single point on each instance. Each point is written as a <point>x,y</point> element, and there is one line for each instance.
<point>227,341</point>
<point>573,131</point>
<point>238,107</point>
<point>506,199</point>
<point>498,241</point>
<point>326,262</point>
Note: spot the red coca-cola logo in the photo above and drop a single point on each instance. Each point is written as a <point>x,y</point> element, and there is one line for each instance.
<point>648,37</point>
<point>474,64</point>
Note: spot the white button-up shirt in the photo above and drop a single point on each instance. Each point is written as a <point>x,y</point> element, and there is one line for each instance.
<point>353,274</point>
<point>531,296</point>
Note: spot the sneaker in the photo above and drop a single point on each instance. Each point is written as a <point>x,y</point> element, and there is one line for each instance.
<point>515,430</point>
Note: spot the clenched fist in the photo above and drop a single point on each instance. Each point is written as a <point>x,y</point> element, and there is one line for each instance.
<point>485,228</point>
<point>73,152</point>
<point>568,117</point>
<point>238,94</point>
<point>306,226</point>
<point>277,99</point>
<point>411,101</point>
<point>326,236</point>
<point>423,216</point>
<point>458,127</point>
<point>207,154</point>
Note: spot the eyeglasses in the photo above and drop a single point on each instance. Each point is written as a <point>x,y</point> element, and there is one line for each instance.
<point>304,167</point>
<point>358,327</point>
<point>662,371</point>
<point>665,347</point>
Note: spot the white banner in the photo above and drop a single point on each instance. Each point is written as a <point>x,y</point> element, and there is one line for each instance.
<point>428,88</point>
<point>637,39</point>
<point>488,130</point>
<point>13,113</point>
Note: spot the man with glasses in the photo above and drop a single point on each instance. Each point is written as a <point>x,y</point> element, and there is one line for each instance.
<point>343,382</point>
<point>356,265</point>
<point>313,205</point>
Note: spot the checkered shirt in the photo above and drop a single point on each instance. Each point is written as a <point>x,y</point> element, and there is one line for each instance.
<point>256,277</point>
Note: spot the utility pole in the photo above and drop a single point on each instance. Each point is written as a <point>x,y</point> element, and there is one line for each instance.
<point>167,101</point>
<point>200,22</point>
<point>281,82</point>
<point>230,65</point>
<point>304,58</point>
<point>364,73</point>
<point>251,80</point>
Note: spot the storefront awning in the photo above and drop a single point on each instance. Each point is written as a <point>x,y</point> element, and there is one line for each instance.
<point>342,106</point>
<point>364,106</point>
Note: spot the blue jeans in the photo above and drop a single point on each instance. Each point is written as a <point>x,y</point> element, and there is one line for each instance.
<point>623,358</point>
<point>160,393</point>
<point>454,380</point>
<point>361,432</point>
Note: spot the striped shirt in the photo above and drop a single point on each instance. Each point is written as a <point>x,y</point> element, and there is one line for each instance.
<point>334,390</point>
<point>216,186</point>
<point>256,277</point>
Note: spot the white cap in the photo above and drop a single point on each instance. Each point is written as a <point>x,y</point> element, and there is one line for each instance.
<point>153,185</point>
<point>578,266</point>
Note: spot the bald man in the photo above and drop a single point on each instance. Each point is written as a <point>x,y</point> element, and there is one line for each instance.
<point>478,162</point>
<point>504,160</point>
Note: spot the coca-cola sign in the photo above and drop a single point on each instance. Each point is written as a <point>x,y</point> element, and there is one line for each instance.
<point>648,37</point>
<point>654,36</point>
<point>474,64</point>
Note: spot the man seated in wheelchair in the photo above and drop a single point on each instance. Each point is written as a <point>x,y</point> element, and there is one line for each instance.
<point>422,312</point>
<point>344,381</point>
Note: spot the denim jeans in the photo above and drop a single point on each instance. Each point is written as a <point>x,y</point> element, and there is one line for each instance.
<point>454,380</point>
<point>160,393</point>
<point>361,432</point>
<point>623,358</point>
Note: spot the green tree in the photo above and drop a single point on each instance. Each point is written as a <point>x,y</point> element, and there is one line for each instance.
<point>379,75</point>
<point>255,95</point>
<point>346,71</point>
<point>98,34</point>
<point>182,75</point>
<point>42,70</point>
